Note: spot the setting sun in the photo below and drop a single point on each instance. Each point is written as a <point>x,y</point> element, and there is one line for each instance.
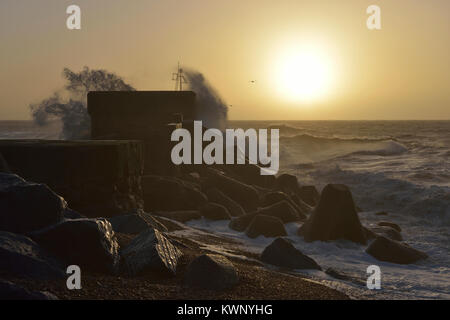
<point>303,74</point>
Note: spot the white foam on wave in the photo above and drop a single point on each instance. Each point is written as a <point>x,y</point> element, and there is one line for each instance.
<point>427,279</point>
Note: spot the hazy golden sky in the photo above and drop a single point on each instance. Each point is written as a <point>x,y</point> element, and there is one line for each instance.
<point>399,72</point>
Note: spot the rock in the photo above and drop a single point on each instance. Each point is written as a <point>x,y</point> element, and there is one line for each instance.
<point>309,195</point>
<point>214,211</point>
<point>72,214</point>
<point>287,183</point>
<point>217,196</point>
<point>273,197</point>
<point>388,250</point>
<point>27,206</point>
<point>241,223</point>
<point>181,216</point>
<point>381,213</point>
<point>390,224</point>
<point>11,291</point>
<point>244,194</point>
<point>342,276</point>
<point>22,257</point>
<point>282,253</point>
<point>89,243</point>
<point>150,251</point>
<point>4,165</point>
<point>334,217</point>
<point>276,196</point>
<point>135,223</point>
<point>388,232</point>
<point>266,226</point>
<point>170,194</point>
<point>284,211</point>
<point>211,272</point>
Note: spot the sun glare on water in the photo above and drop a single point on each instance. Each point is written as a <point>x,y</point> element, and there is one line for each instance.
<point>303,74</point>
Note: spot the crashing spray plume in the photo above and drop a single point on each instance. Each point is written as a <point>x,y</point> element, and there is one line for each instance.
<point>210,107</point>
<point>70,106</point>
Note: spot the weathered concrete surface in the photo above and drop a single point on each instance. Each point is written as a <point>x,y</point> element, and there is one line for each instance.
<point>96,178</point>
<point>150,116</point>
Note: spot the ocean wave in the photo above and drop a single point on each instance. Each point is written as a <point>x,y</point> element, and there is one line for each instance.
<point>286,130</point>
<point>378,191</point>
<point>307,148</point>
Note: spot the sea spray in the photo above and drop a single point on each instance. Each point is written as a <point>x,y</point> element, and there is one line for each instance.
<point>70,104</point>
<point>210,108</point>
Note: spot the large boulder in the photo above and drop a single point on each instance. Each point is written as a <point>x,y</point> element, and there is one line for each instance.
<point>388,232</point>
<point>217,196</point>
<point>11,291</point>
<point>266,226</point>
<point>309,195</point>
<point>284,211</point>
<point>135,223</point>
<point>215,211</point>
<point>388,250</point>
<point>89,243</point>
<point>27,206</point>
<point>22,257</point>
<point>171,194</point>
<point>282,253</point>
<point>212,272</point>
<point>287,183</point>
<point>274,197</point>
<point>244,194</point>
<point>241,223</point>
<point>334,218</point>
<point>150,251</point>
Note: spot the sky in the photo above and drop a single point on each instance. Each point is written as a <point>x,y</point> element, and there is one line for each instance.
<point>400,72</point>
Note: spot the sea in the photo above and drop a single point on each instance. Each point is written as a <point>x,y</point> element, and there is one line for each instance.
<point>399,167</point>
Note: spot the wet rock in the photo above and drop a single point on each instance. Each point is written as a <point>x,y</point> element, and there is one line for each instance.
<point>390,224</point>
<point>72,214</point>
<point>171,194</point>
<point>284,211</point>
<point>88,243</point>
<point>217,196</point>
<point>150,251</point>
<point>334,218</point>
<point>388,250</point>
<point>266,226</point>
<point>181,216</point>
<point>135,223</point>
<point>271,198</point>
<point>388,232</point>
<point>215,211</point>
<point>211,272</point>
<point>287,183</point>
<point>27,206</point>
<point>11,291</point>
<point>309,195</point>
<point>282,253</point>
<point>22,257</point>
<point>342,276</point>
<point>241,223</point>
<point>244,194</point>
